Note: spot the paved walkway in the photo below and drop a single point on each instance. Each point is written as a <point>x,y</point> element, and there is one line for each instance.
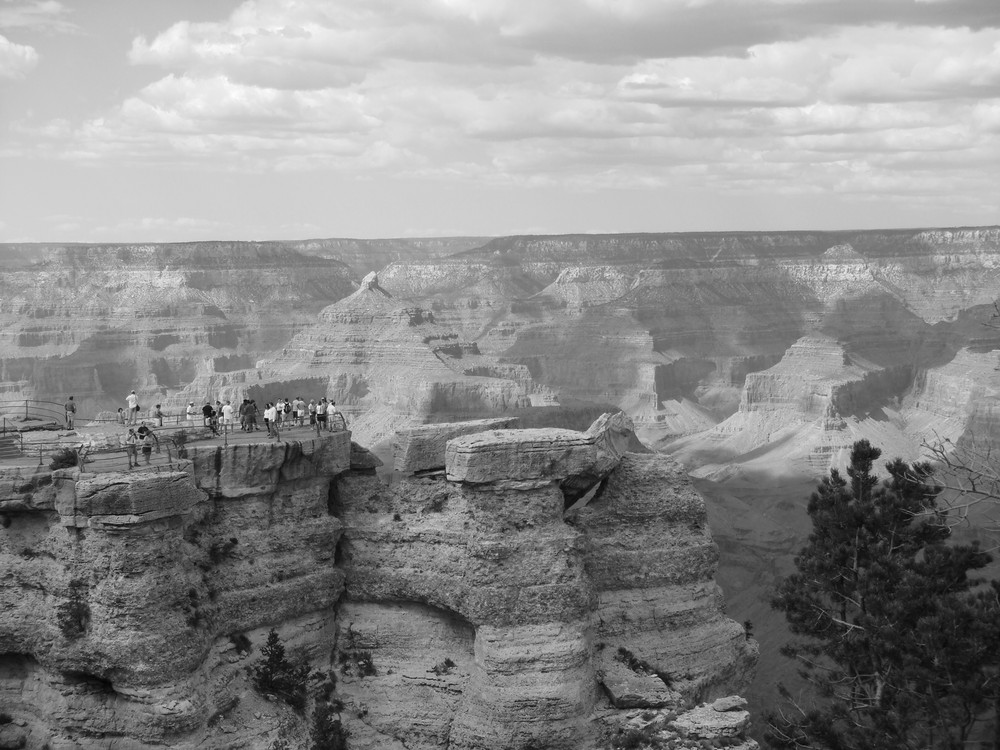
<point>39,445</point>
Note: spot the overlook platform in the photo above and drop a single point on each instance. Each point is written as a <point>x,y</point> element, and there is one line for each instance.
<point>102,446</point>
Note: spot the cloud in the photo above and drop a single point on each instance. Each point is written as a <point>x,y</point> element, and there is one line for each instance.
<point>42,15</point>
<point>16,60</point>
<point>884,63</point>
<point>731,96</point>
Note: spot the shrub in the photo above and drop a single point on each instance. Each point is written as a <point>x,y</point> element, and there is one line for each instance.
<point>275,675</point>
<point>218,551</point>
<point>444,667</point>
<point>640,666</point>
<point>64,458</point>
<point>241,642</point>
<point>327,732</point>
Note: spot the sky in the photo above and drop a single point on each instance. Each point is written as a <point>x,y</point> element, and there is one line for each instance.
<point>150,121</point>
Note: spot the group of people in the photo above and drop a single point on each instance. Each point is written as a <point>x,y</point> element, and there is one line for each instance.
<point>321,415</point>
<point>143,438</point>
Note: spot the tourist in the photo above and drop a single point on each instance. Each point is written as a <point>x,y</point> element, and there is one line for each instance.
<point>289,418</point>
<point>131,440</point>
<point>133,407</point>
<point>121,416</point>
<point>252,413</point>
<point>279,409</point>
<point>70,413</point>
<point>271,421</point>
<point>192,413</point>
<point>244,417</point>
<point>158,415</point>
<point>227,415</point>
<point>312,412</point>
<point>147,439</point>
<point>206,414</point>
<point>321,416</point>
<point>333,417</point>
<point>300,410</point>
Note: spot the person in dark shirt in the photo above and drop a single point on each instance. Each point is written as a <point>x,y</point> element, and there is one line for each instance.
<point>209,414</point>
<point>70,413</point>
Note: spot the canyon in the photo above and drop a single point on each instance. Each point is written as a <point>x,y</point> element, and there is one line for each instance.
<point>754,360</point>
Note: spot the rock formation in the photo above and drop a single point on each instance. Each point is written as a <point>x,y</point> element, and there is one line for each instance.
<point>461,607</point>
<point>386,364</point>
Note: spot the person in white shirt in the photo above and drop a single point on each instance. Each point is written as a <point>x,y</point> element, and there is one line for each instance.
<point>270,421</point>
<point>227,415</point>
<point>133,407</point>
<point>321,416</point>
<point>192,413</point>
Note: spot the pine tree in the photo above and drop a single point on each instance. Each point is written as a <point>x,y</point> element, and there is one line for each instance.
<point>276,675</point>
<point>900,644</point>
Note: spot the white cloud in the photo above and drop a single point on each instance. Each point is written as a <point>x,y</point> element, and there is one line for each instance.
<point>852,65</point>
<point>492,91</point>
<point>16,60</point>
<point>41,15</point>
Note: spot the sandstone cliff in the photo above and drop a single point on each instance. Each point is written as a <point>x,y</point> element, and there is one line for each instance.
<point>462,607</point>
<point>668,327</point>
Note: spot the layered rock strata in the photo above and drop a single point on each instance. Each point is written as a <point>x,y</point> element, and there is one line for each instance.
<point>387,365</point>
<point>99,321</point>
<point>121,591</point>
<point>461,609</point>
<point>667,327</point>
<point>537,607</point>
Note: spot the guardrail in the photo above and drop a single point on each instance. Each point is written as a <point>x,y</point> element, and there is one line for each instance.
<point>36,454</point>
<point>20,411</point>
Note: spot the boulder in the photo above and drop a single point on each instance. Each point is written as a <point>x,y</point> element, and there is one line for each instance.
<point>423,448</point>
<point>519,455</point>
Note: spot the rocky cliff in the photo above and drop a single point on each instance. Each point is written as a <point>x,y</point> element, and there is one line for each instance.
<point>668,327</point>
<point>463,607</point>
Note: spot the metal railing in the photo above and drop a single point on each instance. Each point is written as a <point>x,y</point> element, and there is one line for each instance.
<point>35,415</point>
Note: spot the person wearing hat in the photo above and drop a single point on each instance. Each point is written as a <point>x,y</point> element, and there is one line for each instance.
<point>192,413</point>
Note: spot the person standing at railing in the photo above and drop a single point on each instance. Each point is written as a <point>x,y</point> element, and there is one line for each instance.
<point>321,416</point>
<point>133,407</point>
<point>70,413</point>
<point>158,416</point>
<point>131,441</point>
<point>147,439</point>
<point>271,421</point>
<point>192,414</point>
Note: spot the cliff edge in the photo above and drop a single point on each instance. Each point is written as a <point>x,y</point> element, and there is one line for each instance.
<point>515,588</point>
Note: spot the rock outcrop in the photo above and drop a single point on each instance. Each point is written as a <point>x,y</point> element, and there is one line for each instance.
<point>462,608</point>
